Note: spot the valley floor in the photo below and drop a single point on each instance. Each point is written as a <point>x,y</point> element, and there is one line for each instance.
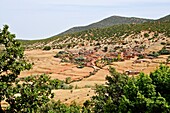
<point>44,62</point>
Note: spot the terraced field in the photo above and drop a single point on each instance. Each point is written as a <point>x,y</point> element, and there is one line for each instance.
<point>83,89</point>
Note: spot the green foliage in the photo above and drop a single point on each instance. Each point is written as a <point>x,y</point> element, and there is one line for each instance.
<point>166,18</point>
<point>57,84</point>
<point>121,94</point>
<point>25,95</point>
<point>164,51</point>
<point>11,63</point>
<point>108,97</point>
<point>168,59</point>
<point>80,61</point>
<point>105,49</point>
<point>33,92</point>
<point>114,33</point>
<point>146,35</point>
<point>140,56</point>
<point>154,54</point>
<point>68,80</point>
<point>142,94</point>
<point>58,107</point>
<point>64,60</point>
<point>113,20</point>
<point>163,43</point>
<point>47,48</point>
<point>80,66</point>
<point>161,79</point>
<point>62,54</point>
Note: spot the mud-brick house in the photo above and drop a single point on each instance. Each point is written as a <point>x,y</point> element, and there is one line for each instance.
<point>81,52</point>
<point>114,54</point>
<point>109,55</point>
<point>142,60</point>
<point>75,54</point>
<point>132,72</point>
<point>89,64</point>
<point>149,57</point>
<point>128,55</point>
<point>88,52</point>
<point>137,61</point>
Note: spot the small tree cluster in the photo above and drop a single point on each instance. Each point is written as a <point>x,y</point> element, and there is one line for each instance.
<point>47,48</point>
<point>142,94</point>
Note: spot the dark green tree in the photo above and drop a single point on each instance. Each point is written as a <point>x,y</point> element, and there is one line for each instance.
<point>141,94</point>
<point>47,48</point>
<point>105,49</point>
<point>161,79</point>
<point>11,63</point>
<point>109,96</point>
<point>30,94</point>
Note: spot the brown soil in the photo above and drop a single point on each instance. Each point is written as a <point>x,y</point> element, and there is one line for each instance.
<point>44,62</point>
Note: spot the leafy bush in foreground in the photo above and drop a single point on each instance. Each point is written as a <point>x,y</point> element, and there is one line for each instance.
<point>142,94</point>
<point>33,92</point>
<point>11,64</point>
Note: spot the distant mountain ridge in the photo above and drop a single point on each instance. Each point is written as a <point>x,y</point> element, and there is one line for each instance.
<point>166,18</point>
<point>107,22</point>
<point>117,23</point>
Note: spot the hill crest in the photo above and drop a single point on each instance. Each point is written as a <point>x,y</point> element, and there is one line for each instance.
<point>107,22</point>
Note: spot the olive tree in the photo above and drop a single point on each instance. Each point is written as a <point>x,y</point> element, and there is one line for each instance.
<point>11,63</point>
<point>140,94</point>
<point>31,94</point>
<point>24,95</point>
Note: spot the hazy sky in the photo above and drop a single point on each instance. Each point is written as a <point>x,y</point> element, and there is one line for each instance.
<point>36,19</point>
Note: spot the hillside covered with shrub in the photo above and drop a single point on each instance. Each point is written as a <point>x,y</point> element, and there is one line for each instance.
<point>107,35</point>
<point>107,22</point>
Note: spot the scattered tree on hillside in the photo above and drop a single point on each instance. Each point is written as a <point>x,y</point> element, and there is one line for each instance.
<point>105,49</point>
<point>47,48</point>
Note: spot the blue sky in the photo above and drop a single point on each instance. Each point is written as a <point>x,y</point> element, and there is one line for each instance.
<point>37,19</point>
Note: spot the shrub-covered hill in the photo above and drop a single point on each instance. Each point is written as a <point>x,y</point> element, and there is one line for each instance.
<point>166,18</point>
<point>110,21</point>
<point>103,35</point>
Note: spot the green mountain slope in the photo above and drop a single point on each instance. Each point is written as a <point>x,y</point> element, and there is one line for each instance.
<point>106,34</point>
<point>166,18</point>
<point>110,21</point>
